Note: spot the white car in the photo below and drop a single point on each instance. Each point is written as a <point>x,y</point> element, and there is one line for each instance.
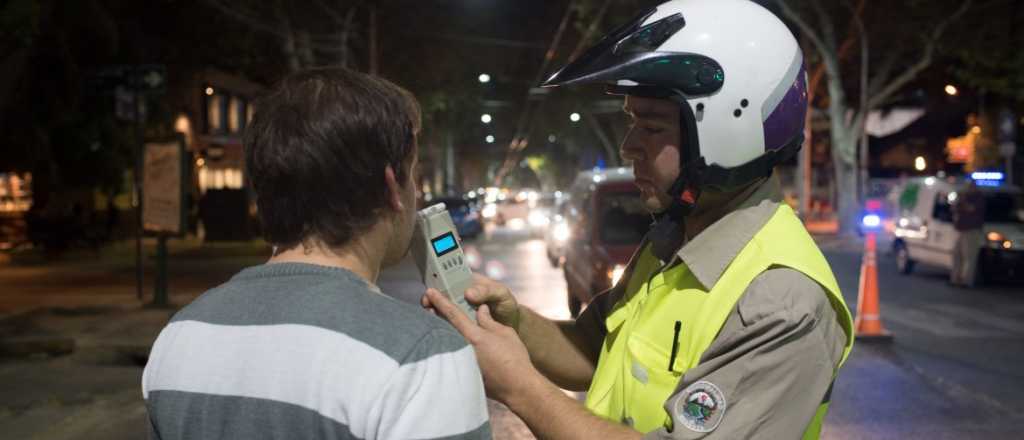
<point>924,232</point>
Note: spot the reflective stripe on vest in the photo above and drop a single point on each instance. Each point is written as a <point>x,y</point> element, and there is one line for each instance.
<point>634,379</point>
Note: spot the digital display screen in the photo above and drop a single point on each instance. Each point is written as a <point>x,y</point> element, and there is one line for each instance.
<point>444,244</point>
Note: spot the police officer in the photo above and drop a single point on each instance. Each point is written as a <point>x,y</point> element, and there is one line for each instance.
<point>728,322</point>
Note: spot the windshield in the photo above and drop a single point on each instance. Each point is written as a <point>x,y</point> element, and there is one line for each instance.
<point>623,218</point>
<point>1003,208</point>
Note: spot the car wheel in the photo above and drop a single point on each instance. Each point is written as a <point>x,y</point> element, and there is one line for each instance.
<point>552,259</point>
<point>904,264</point>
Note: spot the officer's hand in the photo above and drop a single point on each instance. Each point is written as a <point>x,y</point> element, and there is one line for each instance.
<point>503,359</point>
<point>503,305</point>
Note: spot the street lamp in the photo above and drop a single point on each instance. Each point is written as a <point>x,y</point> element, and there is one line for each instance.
<point>489,139</point>
<point>552,138</point>
<point>951,90</point>
<point>485,118</point>
<point>574,117</point>
<point>484,78</point>
<point>919,163</point>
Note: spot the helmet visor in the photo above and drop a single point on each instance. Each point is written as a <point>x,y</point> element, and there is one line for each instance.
<point>631,53</point>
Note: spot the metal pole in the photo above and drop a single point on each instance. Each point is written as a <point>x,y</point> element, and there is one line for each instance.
<point>160,289</point>
<point>139,145</point>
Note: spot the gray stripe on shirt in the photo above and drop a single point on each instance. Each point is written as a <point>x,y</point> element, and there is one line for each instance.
<point>185,415</point>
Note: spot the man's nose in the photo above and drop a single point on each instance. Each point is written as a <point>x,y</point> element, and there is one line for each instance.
<point>630,150</point>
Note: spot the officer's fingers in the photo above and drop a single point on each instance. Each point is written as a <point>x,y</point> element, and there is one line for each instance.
<point>451,313</point>
<point>425,302</point>
<point>484,318</point>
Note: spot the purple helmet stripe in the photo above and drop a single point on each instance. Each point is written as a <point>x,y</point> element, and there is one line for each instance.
<point>787,119</point>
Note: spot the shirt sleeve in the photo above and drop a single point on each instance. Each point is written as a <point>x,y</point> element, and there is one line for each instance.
<point>437,392</point>
<point>772,364</point>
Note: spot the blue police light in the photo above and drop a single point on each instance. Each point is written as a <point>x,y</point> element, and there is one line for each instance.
<point>871,221</point>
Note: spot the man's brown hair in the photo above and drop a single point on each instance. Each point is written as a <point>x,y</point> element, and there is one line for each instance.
<point>316,150</point>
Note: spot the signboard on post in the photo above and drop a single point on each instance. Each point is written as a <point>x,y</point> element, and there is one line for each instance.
<point>164,174</point>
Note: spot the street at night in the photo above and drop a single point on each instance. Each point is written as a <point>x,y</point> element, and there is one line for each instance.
<point>383,220</point>
<point>949,373</point>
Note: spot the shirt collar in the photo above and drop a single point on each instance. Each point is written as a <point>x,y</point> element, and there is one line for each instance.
<point>710,252</point>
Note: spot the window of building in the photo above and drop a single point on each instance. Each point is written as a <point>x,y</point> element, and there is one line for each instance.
<point>220,178</point>
<point>214,114</point>
<point>235,112</point>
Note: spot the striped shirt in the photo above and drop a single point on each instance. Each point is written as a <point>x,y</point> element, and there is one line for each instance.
<point>286,351</point>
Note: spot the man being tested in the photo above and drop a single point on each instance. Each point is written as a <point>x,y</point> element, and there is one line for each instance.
<point>306,345</point>
<point>728,323</point>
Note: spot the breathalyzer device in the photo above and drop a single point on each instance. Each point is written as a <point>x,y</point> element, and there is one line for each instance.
<point>438,254</point>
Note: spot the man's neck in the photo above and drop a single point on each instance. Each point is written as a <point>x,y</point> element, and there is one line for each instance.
<point>718,205</point>
<point>355,258</point>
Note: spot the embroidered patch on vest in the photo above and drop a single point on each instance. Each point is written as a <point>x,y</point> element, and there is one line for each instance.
<point>701,407</point>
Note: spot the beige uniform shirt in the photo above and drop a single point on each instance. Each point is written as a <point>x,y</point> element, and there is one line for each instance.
<point>775,355</point>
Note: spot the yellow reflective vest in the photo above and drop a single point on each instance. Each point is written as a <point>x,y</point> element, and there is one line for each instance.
<point>634,379</point>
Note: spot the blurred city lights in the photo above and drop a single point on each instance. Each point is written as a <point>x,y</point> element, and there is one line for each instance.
<point>552,138</point>
<point>951,90</point>
<point>872,220</point>
<point>484,78</point>
<point>574,117</point>
<point>489,139</point>
<point>485,118</point>
<point>976,129</point>
<point>919,163</point>
<point>209,91</point>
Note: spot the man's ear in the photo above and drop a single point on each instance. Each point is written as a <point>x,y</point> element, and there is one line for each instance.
<point>394,194</point>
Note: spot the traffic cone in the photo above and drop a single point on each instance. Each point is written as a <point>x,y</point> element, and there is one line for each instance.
<point>868,325</point>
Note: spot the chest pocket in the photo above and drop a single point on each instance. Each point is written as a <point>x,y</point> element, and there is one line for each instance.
<point>653,370</point>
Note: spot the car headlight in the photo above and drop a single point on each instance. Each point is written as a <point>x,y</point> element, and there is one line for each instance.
<point>615,273</point>
<point>490,210</point>
<point>561,232</point>
<point>537,219</point>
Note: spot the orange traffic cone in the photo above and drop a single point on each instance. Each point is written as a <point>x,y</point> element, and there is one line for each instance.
<point>868,324</point>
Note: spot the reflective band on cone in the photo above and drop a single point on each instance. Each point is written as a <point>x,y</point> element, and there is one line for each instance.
<point>868,324</point>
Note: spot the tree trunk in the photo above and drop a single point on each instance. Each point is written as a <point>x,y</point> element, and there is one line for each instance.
<point>846,184</point>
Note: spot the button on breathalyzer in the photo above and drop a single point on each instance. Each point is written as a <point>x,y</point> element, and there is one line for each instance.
<point>437,249</point>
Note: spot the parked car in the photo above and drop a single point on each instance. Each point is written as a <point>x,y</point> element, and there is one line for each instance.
<point>924,231</point>
<point>464,214</point>
<point>557,234</point>
<point>607,221</point>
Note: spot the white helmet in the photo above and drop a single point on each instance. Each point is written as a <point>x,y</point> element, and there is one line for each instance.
<point>735,70</point>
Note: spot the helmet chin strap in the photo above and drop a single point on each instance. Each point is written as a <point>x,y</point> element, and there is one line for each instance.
<point>669,231</point>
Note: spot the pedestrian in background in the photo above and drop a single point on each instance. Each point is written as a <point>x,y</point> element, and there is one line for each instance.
<point>968,219</point>
<point>306,346</point>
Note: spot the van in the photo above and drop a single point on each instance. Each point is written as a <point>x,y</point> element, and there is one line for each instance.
<point>607,221</point>
<point>923,231</point>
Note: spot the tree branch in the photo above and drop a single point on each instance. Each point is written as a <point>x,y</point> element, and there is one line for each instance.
<point>926,60</point>
<point>828,28</point>
<point>805,27</point>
